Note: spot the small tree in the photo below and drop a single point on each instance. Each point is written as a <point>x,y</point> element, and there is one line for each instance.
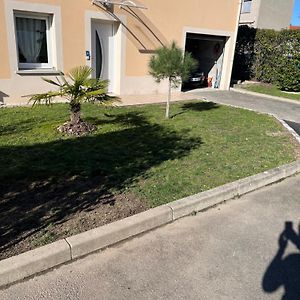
<point>78,88</point>
<point>170,63</point>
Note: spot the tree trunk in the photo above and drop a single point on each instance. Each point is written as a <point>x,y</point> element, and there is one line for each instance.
<point>75,113</point>
<point>76,126</point>
<point>168,100</point>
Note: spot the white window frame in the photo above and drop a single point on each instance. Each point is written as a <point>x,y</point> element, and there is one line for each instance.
<point>48,19</point>
<point>248,11</point>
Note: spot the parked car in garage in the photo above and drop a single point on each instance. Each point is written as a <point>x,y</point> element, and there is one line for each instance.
<point>197,79</point>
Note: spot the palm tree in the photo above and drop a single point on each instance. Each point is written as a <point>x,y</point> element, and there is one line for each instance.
<point>78,88</point>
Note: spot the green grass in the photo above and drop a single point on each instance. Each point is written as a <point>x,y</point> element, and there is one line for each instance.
<point>135,150</point>
<point>272,90</point>
<point>45,237</point>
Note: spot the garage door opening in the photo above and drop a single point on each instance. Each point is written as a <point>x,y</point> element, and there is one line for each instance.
<point>208,50</point>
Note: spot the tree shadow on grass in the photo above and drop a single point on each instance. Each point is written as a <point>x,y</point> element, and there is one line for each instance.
<point>44,184</point>
<point>16,126</point>
<point>134,119</point>
<point>200,106</point>
<point>197,106</point>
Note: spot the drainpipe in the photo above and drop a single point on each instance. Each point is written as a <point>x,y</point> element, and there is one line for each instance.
<point>238,17</point>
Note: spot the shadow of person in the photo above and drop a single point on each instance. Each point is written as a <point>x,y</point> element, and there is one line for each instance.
<point>285,270</point>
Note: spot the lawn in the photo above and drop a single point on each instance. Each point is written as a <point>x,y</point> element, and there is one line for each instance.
<point>269,89</point>
<point>52,186</point>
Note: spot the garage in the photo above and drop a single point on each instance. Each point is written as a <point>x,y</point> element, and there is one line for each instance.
<point>208,50</point>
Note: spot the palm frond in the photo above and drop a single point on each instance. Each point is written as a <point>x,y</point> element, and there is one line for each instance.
<point>80,74</point>
<point>95,93</point>
<point>57,83</point>
<point>61,80</point>
<point>45,98</point>
<point>80,87</point>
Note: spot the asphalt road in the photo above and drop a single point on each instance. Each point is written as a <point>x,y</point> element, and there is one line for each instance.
<point>229,252</point>
<point>294,125</point>
<point>284,110</point>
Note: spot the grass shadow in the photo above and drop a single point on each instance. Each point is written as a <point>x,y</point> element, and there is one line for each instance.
<point>44,184</point>
<point>133,119</point>
<point>196,106</point>
<point>16,126</point>
<point>200,106</point>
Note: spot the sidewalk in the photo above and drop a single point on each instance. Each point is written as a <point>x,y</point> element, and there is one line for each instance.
<point>284,110</point>
<point>155,98</point>
<point>224,253</point>
<point>244,91</point>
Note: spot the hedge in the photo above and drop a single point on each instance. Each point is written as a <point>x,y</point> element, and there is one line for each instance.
<point>268,56</point>
<point>244,53</point>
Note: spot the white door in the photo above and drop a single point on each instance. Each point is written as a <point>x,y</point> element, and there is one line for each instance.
<point>103,51</point>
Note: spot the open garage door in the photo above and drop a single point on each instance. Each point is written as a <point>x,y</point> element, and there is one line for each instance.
<point>208,50</point>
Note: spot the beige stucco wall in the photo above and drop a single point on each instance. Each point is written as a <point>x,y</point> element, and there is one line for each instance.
<point>171,16</point>
<point>69,43</point>
<point>73,29</point>
<point>168,19</point>
<point>4,63</point>
<point>172,20</point>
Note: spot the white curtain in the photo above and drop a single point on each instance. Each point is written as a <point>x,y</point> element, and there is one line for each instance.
<point>30,35</point>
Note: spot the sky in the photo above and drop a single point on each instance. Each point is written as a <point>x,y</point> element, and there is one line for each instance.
<point>296,14</point>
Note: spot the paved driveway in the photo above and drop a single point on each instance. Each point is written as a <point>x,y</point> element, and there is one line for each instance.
<point>229,252</point>
<point>284,110</point>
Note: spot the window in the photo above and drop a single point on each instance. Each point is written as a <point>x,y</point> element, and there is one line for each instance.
<point>33,41</point>
<point>246,6</point>
<point>99,56</point>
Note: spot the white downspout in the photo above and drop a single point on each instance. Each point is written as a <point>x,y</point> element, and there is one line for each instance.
<point>238,17</point>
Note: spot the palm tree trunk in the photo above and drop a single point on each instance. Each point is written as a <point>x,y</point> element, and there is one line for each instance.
<point>75,113</point>
<point>168,100</point>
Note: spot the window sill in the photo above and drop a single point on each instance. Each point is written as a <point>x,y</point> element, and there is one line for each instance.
<point>39,72</point>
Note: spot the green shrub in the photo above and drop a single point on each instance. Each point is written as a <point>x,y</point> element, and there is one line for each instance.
<point>265,56</point>
<point>288,77</point>
<point>269,56</point>
<point>244,52</point>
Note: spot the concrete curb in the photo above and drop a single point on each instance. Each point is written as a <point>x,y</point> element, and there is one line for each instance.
<point>26,264</point>
<point>207,199</point>
<point>35,261</point>
<point>243,91</point>
<point>104,236</point>
<point>289,128</point>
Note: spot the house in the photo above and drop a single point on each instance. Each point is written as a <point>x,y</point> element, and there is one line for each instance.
<point>293,27</point>
<point>115,37</point>
<point>267,14</point>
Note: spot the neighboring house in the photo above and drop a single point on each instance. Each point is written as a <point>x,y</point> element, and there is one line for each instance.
<point>293,27</point>
<point>267,14</point>
<point>46,37</point>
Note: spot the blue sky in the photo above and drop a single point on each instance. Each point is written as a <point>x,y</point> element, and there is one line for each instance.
<point>296,14</point>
